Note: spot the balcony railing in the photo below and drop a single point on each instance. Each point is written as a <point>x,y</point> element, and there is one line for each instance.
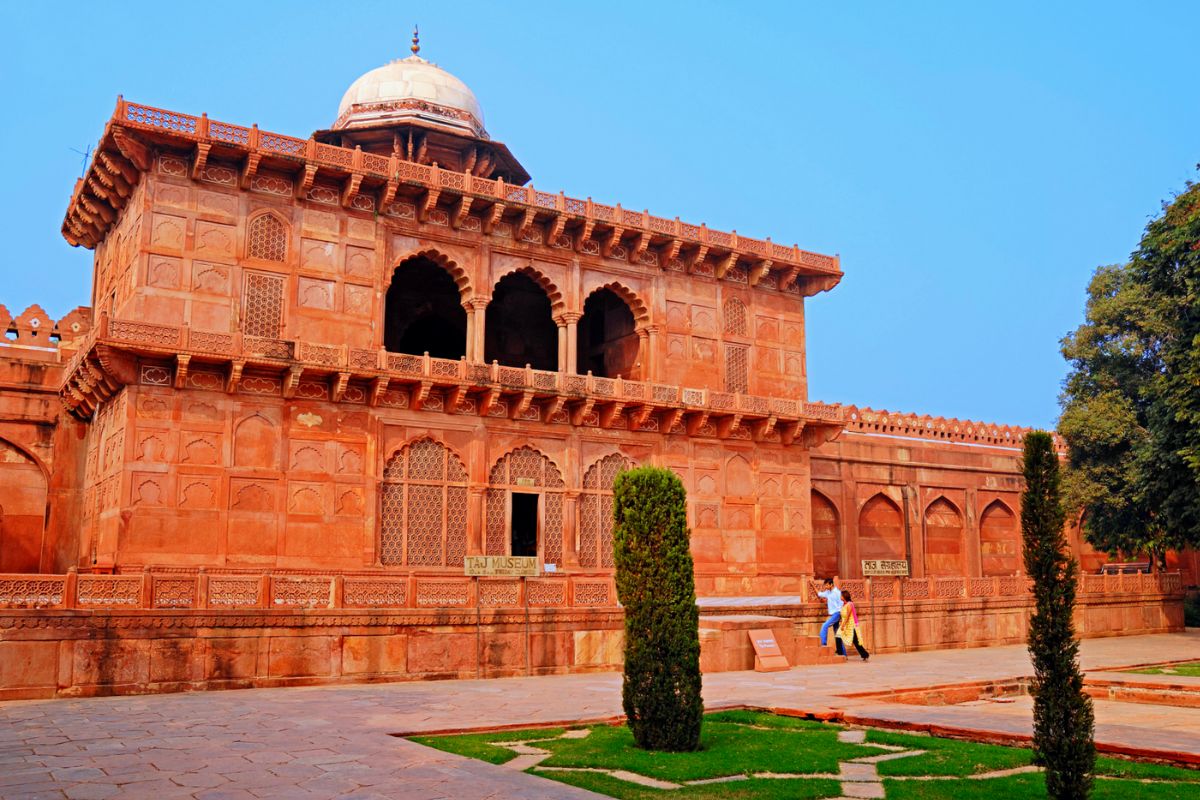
<point>414,369</point>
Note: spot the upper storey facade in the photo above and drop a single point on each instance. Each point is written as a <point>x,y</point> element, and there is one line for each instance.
<point>403,231</point>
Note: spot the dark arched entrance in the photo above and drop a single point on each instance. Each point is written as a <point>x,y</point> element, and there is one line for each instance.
<point>520,329</point>
<point>424,312</point>
<point>608,342</point>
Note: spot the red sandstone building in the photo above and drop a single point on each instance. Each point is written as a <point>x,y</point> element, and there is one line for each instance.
<point>316,373</point>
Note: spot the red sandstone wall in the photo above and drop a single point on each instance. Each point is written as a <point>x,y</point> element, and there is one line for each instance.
<point>122,645</point>
<point>181,253</point>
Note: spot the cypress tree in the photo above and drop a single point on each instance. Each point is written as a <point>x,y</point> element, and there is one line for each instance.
<point>1063,722</point>
<point>655,584</point>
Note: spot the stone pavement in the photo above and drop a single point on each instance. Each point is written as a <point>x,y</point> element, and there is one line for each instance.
<point>332,741</point>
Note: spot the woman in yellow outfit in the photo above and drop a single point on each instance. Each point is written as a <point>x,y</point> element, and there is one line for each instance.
<point>848,626</point>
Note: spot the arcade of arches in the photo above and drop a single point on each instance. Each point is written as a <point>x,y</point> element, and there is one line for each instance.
<point>425,312</point>
<point>940,536</point>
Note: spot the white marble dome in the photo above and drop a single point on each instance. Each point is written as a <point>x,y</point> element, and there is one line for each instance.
<point>407,89</point>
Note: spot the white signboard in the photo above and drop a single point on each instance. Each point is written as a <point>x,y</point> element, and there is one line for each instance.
<point>511,566</point>
<point>876,567</point>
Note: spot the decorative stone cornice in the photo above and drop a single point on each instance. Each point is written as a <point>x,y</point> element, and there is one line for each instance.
<point>395,186</point>
<point>121,352</point>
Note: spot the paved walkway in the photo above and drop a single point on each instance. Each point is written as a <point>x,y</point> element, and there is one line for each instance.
<point>332,741</point>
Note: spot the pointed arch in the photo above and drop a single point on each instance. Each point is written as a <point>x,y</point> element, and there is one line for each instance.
<point>423,506</point>
<point>944,550</point>
<point>456,272</point>
<point>423,307</point>
<point>255,442</point>
<point>553,293</point>
<point>267,234</point>
<point>526,470</point>
<point>636,307</point>
<point>881,529</point>
<point>519,327</point>
<point>608,343</point>
<point>825,535</point>
<point>23,496</point>
<point>596,511</point>
<point>999,541</point>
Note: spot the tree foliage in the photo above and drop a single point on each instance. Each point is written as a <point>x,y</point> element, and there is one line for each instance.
<point>656,585</point>
<point>1131,404</point>
<point>1063,722</point>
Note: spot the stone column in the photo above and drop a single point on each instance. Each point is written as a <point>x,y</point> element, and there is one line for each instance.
<point>643,354</point>
<point>480,305</point>
<point>652,332</point>
<point>571,320</point>
<point>475,520</point>
<point>562,343</point>
<point>470,344</point>
<point>971,544</point>
<point>571,530</point>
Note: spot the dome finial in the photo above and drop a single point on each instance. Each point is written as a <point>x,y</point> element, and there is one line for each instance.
<point>416,41</point>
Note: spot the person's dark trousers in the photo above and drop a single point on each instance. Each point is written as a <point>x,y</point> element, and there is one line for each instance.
<point>837,641</point>
<point>862,651</point>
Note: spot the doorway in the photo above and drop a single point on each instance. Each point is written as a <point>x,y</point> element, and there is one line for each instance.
<point>524,524</point>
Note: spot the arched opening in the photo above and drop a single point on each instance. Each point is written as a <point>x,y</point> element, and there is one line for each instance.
<point>881,530</point>
<point>943,540</point>
<point>520,326</point>
<point>824,536</point>
<point>424,312</point>
<point>999,546</point>
<point>608,341</point>
<point>22,510</point>
<point>524,503</point>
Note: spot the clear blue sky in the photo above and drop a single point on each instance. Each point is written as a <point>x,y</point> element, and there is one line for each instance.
<point>972,165</point>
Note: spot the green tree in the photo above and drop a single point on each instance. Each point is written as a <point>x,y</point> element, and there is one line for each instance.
<point>1106,404</point>
<point>656,585</point>
<point>1168,263</point>
<point>1131,409</point>
<point>1063,723</point>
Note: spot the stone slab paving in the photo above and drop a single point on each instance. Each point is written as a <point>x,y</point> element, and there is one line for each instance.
<point>332,741</point>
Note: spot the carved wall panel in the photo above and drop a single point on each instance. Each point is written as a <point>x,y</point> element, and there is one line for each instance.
<point>423,507</point>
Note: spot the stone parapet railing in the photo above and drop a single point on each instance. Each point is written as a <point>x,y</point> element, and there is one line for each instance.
<point>241,590</point>
<point>150,591</point>
<point>893,590</point>
<point>922,426</point>
<point>761,256</point>
<point>340,364</point>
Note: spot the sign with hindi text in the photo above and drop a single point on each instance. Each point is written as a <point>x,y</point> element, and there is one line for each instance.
<point>510,566</point>
<point>767,655</point>
<point>874,568</point>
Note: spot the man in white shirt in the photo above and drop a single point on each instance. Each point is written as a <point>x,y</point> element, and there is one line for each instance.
<point>833,602</point>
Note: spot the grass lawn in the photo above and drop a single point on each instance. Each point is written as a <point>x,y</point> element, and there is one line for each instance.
<point>947,756</point>
<point>1191,670</point>
<point>727,748</point>
<point>762,789</point>
<point>1030,787</point>
<point>479,745</point>
<point>743,743</point>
